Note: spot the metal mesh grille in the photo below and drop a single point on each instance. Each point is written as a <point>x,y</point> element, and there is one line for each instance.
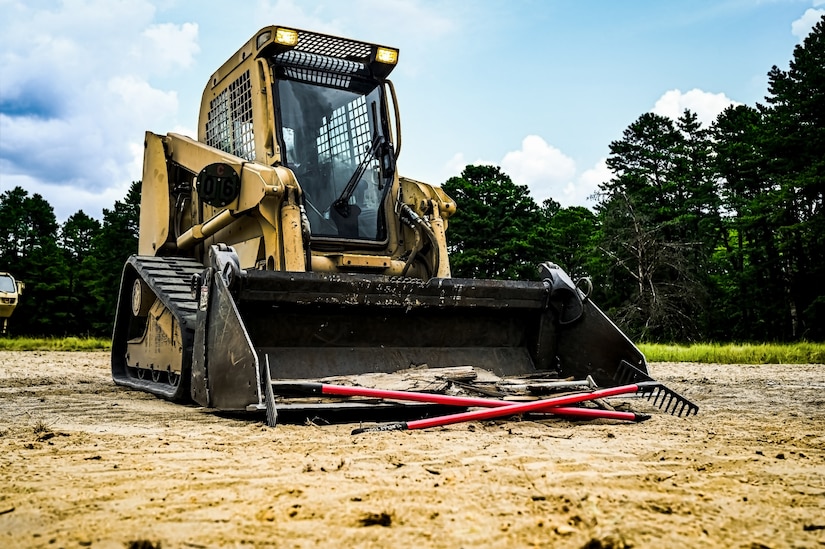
<point>346,132</point>
<point>229,124</point>
<point>332,46</point>
<point>316,56</point>
<point>318,77</point>
<point>294,58</point>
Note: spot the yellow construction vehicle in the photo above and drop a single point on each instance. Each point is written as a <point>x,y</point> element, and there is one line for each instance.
<point>10,291</point>
<point>283,244</point>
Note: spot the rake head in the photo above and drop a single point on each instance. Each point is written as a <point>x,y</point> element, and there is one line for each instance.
<point>666,399</point>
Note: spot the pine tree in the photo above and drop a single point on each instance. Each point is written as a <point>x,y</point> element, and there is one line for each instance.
<point>795,144</point>
<point>494,233</point>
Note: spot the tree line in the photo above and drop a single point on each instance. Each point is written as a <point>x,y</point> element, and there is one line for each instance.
<point>700,234</point>
<point>713,233</point>
<point>71,271</point>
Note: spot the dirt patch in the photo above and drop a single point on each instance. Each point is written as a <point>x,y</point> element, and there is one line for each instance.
<point>84,463</point>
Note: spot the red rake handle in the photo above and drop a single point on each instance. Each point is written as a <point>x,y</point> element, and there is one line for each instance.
<point>433,398</point>
<point>501,411</point>
<point>344,390</point>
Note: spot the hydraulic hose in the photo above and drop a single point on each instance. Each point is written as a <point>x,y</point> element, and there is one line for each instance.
<point>415,250</point>
<point>419,225</point>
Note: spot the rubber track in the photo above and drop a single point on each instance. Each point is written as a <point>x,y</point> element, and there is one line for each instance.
<point>169,278</point>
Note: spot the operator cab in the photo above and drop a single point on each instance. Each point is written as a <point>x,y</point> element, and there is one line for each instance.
<point>7,286</point>
<point>334,134</point>
<point>318,105</point>
<point>334,139</point>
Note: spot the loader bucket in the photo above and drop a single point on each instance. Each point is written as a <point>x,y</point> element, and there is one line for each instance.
<point>256,326</point>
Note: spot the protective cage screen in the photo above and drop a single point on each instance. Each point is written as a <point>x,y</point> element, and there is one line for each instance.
<point>229,124</point>
<point>345,135</point>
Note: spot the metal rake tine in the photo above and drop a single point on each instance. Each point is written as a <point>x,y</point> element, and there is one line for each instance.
<point>661,396</point>
<point>676,399</point>
<point>672,403</point>
<point>667,399</point>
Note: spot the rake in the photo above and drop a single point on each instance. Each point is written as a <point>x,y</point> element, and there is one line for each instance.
<point>522,408</point>
<point>633,380</point>
<point>312,389</point>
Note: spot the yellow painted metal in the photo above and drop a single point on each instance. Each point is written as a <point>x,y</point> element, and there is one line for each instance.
<point>438,225</point>
<point>355,261</point>
<point>293,243</point>
<point>142,298</point>
<point>199,232</point>
<point>10,290</point>
<point>246,59</point>
<point>154,197</point>
<point>256,215</point>
<point>160,346</point>
<point>332,263</point>
<point>264,223</point>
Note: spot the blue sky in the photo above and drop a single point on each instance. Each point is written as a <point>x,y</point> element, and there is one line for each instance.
<point>539,88</point>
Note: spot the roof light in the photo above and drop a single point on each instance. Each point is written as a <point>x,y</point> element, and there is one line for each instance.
<point>386,55</point>
<point>286,37</point>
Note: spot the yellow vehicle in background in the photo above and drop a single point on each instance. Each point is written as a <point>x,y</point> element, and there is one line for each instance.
<point>10,291</point>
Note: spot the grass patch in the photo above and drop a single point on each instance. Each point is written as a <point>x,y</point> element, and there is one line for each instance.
<point>735,353</point>
<point>55,344</point>
<point>717,353</point>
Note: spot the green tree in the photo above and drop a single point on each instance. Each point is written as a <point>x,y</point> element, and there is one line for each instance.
<point>110,248</point>
<point>658,221</point>
<point>31,253</point>
<point>795,145</point>
<point>76,237</point>
<point>567,237</point>
<point>494,233</point>
<point>13,228</point>
<point>747,265</point>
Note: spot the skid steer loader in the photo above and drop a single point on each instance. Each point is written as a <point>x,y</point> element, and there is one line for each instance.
<point>10,291</point>
<point>284,245</point>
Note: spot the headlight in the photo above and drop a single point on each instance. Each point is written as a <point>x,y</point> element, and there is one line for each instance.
<point>386,55</point>
<point>286,37</point>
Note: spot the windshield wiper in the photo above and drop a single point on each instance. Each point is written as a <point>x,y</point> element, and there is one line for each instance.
<point>341,203</point>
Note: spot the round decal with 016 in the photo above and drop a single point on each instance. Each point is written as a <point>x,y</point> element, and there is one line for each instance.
<point>218,184</point>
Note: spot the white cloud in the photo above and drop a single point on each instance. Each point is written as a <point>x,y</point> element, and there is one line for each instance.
<point>68,199</point>
<point>802,26</point>
<point>80,80</point>
<point>426,22</point>
<point>168,46</point>
<point>134,101</point>
<point>76,98</point>
<point>578,192</point>
<point>409,16</point>
<point>289,12</point>
<point>540,166</point>
<point>454,166</point>
<point>705,105</point>
<point>546,170</point>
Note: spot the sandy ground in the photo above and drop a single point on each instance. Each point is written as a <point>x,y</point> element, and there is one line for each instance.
<point>84,463</point>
